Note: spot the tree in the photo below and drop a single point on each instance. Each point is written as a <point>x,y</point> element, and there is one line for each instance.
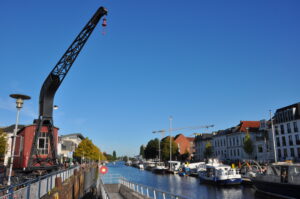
<point>248,145</point>
<point>165,149</point>
<point>208,151</point>
<point>142,151</point>
<point>88,150</point>
<point>151,150</point>
<point>3,143</point>
<point>184,157</point>
<point>114,155</point>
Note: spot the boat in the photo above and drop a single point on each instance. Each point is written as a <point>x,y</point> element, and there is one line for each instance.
<point>174,166</point>
<point>149,165</point>
<point>141,166</point>
<point>191,169</point>
<point>159,168</point>
<point>280,179</point>
<point>220,174</point>
<point>248,170</point>
<point>128,163</point>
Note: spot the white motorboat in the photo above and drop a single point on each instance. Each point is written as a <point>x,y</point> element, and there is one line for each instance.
<point>220,174</point>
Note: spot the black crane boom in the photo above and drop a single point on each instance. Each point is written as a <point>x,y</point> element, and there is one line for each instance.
<point>63,66</point>
<point>47,93</point>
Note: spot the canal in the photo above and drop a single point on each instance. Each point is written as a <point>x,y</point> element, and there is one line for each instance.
<point>189,187</point>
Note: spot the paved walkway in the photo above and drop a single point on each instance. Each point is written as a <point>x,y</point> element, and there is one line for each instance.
<point>115,196</point>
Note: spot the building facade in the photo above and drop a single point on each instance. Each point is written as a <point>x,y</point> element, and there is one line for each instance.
<point>185,144</point>
<point>9,131</point>
<point>200,144</point>
<point>68,144</point>
<point>287,135</point>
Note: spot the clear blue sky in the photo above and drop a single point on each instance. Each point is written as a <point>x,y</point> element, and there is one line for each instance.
<point>203,62</point>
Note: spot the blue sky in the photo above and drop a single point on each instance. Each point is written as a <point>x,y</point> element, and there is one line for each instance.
<point>203,62</point>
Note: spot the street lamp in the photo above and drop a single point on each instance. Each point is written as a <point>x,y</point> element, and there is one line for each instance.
<point>19,101</point>
<point>273,135</point>
<point>170,129</point>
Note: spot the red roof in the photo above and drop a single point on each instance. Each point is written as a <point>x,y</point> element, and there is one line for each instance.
<point>190,139</point>
<point>248,124</point>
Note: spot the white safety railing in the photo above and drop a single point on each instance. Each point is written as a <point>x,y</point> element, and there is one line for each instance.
<point>38,187</point>
<point>147,191</point>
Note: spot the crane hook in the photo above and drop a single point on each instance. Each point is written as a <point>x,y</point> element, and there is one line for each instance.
<point>104,24</point>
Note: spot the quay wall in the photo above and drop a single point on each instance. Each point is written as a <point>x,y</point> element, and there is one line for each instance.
<point>77,186</point>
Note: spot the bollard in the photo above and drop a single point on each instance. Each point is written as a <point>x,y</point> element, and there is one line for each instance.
<point>58,182</point>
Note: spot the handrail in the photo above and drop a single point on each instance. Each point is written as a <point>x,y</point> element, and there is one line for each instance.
<point>37,179</point>
<point>144,190</point>
<point>139,188</point>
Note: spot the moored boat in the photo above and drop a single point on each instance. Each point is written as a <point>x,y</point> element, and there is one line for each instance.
<point>220,174</point>
<point>279,180</point>
<point>159,168</point>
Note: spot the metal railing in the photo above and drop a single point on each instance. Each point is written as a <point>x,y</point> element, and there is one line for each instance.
<point>38,187</point>
<point>147,191</point>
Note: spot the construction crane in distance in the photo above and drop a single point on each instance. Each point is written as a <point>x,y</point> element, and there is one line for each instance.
<point>184,128</point>
<point>177,129</point>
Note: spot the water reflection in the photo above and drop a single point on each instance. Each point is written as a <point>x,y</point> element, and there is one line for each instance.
<point>186,186</point>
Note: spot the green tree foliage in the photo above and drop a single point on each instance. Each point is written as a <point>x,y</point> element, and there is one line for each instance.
<point>88,150</point>
<point>208,152</point>
<point>3,143</point>
<point>108,157</point>
<point>165,149</point>
<point>151,150</point>
<point>184,157</point>
<point>248,144</point>
<point>142,151</point>
<point>114,155</point>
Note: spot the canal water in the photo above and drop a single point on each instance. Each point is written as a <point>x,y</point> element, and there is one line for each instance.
<point>189,187</point>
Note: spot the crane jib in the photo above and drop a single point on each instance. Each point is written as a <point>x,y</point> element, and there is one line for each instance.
<point>47,93</point>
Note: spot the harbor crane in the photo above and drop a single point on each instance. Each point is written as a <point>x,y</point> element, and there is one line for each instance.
<point>47,93</point>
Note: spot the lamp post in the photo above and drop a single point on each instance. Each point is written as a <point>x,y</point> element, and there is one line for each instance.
<point>19,101</point>
<point>170,129</point>
<point>273,136</point>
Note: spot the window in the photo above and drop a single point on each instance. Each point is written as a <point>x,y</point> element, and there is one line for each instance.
<point>298,150</point>
<point>278,142</point>
<point>292,152</point>
<point>279,153</point>
<point>259,149</point>
<point>282,129</point>
<point>276,130</point>
<point>288,125</point>
<point>297,139</point>
<point>43,143</point>
<point>237,141</point>
<point>283,141</point>
<point>291,140</point>
<point>233,141</point>
<point>295,126</point>
<point>285,152</point>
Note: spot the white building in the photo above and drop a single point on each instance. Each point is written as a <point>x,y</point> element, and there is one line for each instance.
<point>9,130</point>
<point>286,125</point>
<point>67,144</point>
